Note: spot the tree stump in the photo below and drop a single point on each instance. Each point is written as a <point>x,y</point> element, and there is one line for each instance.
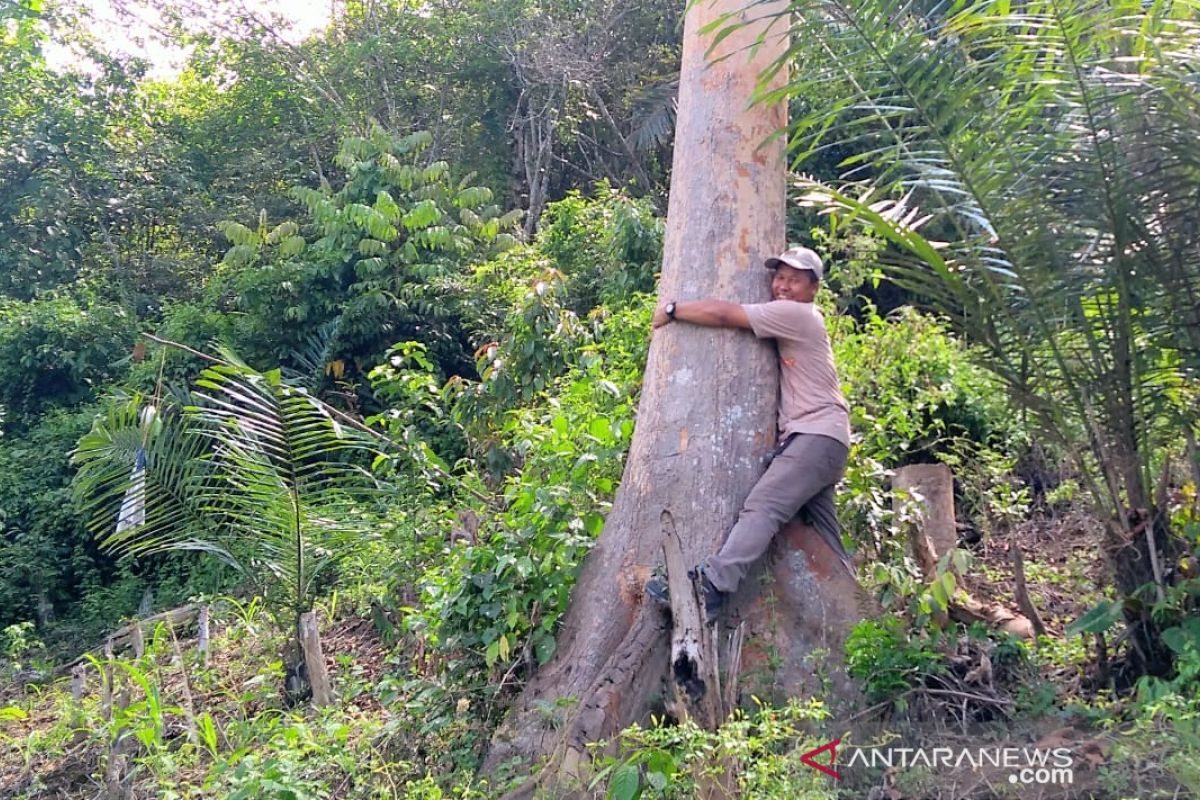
<point>935,535</point>
<point>933,487</point>
<point>314,660</point>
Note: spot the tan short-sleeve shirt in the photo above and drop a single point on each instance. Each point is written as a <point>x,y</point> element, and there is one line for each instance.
<point>810,394</point>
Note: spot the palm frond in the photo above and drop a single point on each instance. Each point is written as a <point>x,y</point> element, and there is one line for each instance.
<point>1047,147</point>
<point>653,110</point>
<point>135,429</point>
<point>256,471</point>
<point>313,356</point>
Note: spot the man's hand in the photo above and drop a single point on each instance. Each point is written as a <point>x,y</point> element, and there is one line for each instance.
<point>709,313</point>
<point>660,317</point>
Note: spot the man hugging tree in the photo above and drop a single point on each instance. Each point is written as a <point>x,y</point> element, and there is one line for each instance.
<point>814,423</point>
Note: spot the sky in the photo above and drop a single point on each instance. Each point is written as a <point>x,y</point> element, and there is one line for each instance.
<point>135,37</point>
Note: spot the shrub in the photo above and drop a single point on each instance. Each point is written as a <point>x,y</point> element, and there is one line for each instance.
<point>55,351</point>
<point>750,755</point>
<point>608,247</point>
<point>888,659</point>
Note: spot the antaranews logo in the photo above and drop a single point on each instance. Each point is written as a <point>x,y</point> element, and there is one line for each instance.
<point>1027,765</point>
<point>829,747</point>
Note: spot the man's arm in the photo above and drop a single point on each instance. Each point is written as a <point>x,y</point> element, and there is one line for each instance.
<point>709,313</point>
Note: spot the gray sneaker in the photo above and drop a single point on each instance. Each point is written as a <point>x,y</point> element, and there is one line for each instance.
<point>658,591</point>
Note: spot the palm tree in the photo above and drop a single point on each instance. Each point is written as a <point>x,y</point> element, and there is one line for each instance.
<point>1035,165</point>
<point>247,468</point>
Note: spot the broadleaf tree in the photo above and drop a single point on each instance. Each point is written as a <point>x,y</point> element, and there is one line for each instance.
<point>705,418</point>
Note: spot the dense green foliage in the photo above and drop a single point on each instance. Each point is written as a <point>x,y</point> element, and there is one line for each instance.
<point>48,557</point>
<point>371,260</point>
<point>57,351</point>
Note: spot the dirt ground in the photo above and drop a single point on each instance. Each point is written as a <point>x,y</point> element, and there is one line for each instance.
<point>986,705</point>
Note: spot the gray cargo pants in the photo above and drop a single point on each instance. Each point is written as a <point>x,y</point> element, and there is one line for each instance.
<point>801,478</point>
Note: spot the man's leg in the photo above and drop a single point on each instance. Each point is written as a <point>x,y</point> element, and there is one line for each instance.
<point>810,464</point>
<point>821,513</point>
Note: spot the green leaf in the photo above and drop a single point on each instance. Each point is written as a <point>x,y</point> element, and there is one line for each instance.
<point>237,233</point>
<point>372,247</point>
<point>240,255</point>
<point>282,231</point>
<point>435,171</point>
<point>12,714</point>
<point>948,584</point>
<point>1098,619</point>
<point>626,783</point>
<point>422,215</point>
<point>292,246</point>
<point>593,523</point>
<point>1183,638</point>
<point>386,205</point>
<point>544,648</point>
<point>600,428</point>
<point>369,267</point>
<point>937,592</point>
<point>660,761</point>
<point>208,732</point>
<point>473,196</point>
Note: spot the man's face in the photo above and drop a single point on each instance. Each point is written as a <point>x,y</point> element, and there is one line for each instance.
<point>790,283</point>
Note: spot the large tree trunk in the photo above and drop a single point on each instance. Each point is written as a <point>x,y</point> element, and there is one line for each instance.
<point>706,419</point>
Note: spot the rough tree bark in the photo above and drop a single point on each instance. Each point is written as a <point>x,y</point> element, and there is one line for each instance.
<point>706,418</point>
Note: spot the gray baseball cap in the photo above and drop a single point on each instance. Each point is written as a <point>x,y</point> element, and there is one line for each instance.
<point>800,258</point>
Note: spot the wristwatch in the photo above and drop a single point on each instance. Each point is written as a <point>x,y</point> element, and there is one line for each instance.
<point>670,309</point>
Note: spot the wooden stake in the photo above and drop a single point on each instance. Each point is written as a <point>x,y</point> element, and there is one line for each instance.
<point>314,660</point>
<point>138,640</point>
<point>189,704</point>
<point>1103,666</point>
<point>78,686</point>
<point>116,778</point>
<point>202,635</point>
<point>106,681</point>
<point>78,682</point>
